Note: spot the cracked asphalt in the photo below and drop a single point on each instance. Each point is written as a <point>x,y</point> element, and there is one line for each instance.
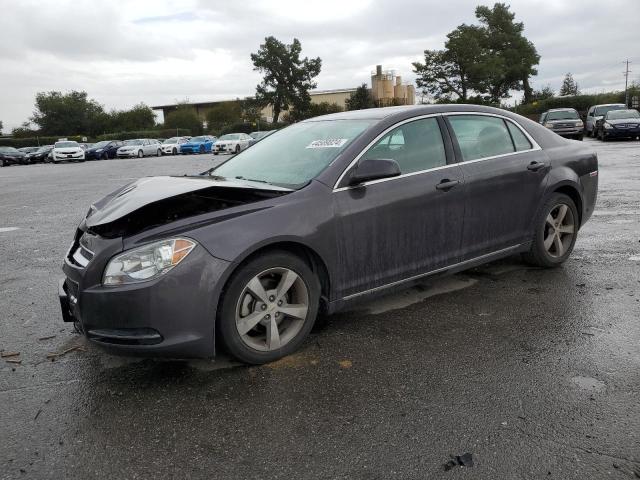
<point>535,372</point>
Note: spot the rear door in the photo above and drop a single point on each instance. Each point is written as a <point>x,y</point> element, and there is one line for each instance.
<point>392,229</point>
<point>505,178</point>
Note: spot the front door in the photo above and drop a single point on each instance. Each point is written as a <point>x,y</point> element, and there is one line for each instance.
<point>392,229</point>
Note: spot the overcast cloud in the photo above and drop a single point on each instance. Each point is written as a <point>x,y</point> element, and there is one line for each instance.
<point>123,52</point>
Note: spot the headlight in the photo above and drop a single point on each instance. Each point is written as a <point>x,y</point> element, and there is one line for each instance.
<point>548,125</point>
<point>579,124</point>
<point>147,262</point>
<point>607,125</point>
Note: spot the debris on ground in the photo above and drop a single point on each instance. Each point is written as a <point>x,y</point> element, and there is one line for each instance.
<point>13,360</point>
<point>37,415</point>
<point>49,337</point>
<point>464,460</point>
<point>53,355</point>
<point>9,354</point>
<point>345,363</point>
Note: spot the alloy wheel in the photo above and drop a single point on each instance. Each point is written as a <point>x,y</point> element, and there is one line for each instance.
<point>559,230</point>
<point>272,309</point>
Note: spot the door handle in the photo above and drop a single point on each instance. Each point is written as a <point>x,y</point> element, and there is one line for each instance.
<point>446,184</point>
<point>535,166</point>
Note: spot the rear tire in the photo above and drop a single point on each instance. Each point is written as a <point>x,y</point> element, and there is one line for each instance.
<point>239,303</point>
<point>555,234</point>
<point>1,162</point>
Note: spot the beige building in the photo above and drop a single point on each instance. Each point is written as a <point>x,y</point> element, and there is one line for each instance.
<point>386,88</point>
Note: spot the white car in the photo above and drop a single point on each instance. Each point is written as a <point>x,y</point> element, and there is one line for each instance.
<point>140,147</point>
<point>232,143</point>
<point>67,151</point>
<point>171,146</point>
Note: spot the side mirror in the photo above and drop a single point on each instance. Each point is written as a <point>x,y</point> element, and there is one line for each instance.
<point>368,170</point>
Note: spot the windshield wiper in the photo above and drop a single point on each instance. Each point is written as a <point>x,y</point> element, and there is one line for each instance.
<point>240,177</point>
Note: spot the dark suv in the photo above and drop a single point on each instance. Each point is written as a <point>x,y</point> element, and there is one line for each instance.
<point>565,122</point>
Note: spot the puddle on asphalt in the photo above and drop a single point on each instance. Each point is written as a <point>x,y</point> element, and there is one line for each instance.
<point>589,383</point>
<point>416,294</point>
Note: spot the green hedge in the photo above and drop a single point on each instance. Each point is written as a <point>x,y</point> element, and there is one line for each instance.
<point>49,140</point>
<point>580,102</point>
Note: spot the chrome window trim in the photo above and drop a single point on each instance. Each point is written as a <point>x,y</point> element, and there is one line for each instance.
<point>535,147</point>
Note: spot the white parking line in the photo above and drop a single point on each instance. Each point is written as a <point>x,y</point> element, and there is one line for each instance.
<point>8,229</point>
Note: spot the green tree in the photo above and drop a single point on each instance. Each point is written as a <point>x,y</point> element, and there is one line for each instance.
<point>360,99</point>
<point>68,114</point>
<point>140,117</point>
<point>449,74</point>
<point>315,110</point>
<point>543,94</point>
<point>569,86</point>
<point>184,116</point>
<point>480,63</point>
<point>224,113</point>
<point>510,58</point>
<point>251,110</point>
<point>287,78</point>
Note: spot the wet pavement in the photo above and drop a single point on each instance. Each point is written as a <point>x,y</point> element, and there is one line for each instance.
<point>534,372</point>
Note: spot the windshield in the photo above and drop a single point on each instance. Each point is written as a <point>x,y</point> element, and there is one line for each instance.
<point>46,148</point>
<point>199,139</point>
<point>601,111</point>
<point>66,144</point>
<point>172,140</point>
<point>101,144</point>
<point>230,136</point>
<point>132,142</point>
<point>257,135</point>
<point>563,115</point>
<point>620,114</point>
<point>293,156</point>
<point>8,150</point>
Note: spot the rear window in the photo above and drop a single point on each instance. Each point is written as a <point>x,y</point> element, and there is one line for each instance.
<point>601,111</point>
<point>563,115</point>
<point>481,136</point>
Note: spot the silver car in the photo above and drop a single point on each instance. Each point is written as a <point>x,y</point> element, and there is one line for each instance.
<point>140,147</point>
<point>596,113</point>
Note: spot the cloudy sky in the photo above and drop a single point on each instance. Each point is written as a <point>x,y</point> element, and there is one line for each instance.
<point>123,52</point>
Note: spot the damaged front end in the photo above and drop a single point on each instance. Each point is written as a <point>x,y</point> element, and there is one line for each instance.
<point>153,202</point>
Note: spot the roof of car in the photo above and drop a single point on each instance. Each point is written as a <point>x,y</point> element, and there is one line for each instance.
<point>407,110</point>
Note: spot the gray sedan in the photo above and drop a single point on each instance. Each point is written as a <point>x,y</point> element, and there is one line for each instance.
<point>319,215</point>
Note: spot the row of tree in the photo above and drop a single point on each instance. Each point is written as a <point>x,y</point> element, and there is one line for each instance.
<point>70,113</point>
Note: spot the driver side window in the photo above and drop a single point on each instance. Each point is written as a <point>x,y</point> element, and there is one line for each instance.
<point>415,146</point>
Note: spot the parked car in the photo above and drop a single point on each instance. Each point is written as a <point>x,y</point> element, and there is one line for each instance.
<point>67,151</point>
<point>328,211</point>
<point>596,113</point>
<point>232,143</point>
<point>11,156</point>
<point>565,122</point>
<point>28,150</point>
<point>140,147</point>
<point>257,136</point>
<point>171,146</point>
<point>85,146</point>
<point>201,144</point>
<point>619,124</point>
<point>39,155</point>
<point>103,150</point>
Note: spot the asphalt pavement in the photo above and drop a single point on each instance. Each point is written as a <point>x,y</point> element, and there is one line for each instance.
<point>535,373</point>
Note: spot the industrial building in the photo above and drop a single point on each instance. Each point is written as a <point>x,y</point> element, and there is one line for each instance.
<point>386,89</point>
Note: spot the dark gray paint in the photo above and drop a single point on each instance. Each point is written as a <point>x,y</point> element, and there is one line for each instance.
<point>364,237</point>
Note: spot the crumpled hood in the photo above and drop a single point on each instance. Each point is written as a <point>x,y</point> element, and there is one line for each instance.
<point>150,190</point>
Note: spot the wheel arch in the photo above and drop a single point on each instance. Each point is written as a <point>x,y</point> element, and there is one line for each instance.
<point>571,191</point>
<point>309,255</point>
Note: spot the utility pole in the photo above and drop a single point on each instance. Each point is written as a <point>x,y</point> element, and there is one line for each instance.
<point>626,83</point>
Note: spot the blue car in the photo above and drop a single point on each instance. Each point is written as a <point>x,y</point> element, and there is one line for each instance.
<point>201,144</point>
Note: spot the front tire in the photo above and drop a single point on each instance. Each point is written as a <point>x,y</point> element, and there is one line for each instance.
<point>555,234</point>
<point>268,308</point>
<point>174,152</point>
<point>140,154</point>
<point>237,150</point>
